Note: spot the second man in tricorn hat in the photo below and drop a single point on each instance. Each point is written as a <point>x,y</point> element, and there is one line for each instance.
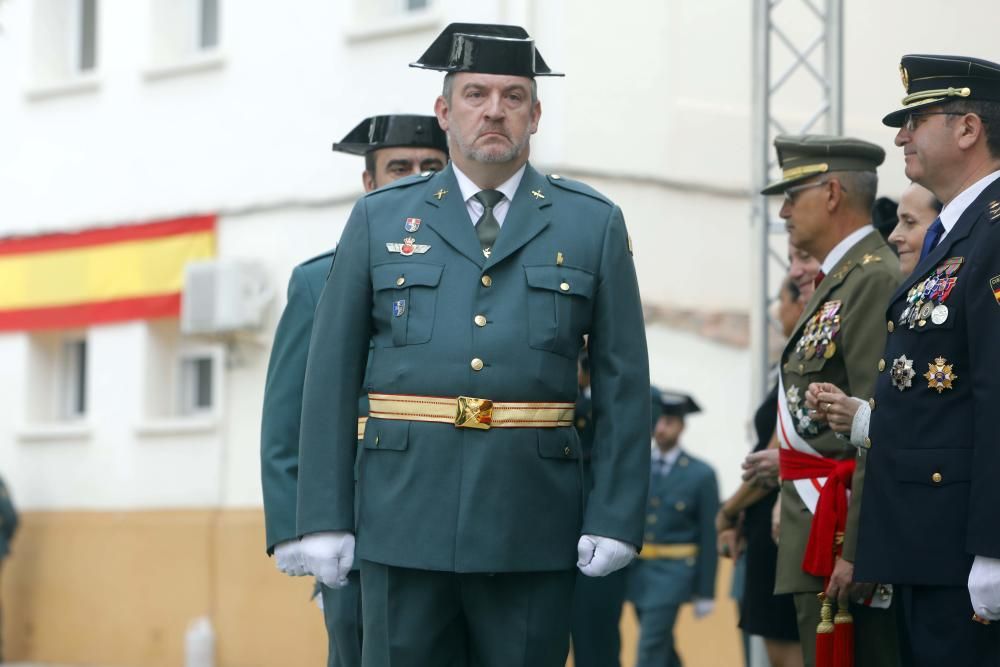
<point>476,286</point>
<point>829,185</point>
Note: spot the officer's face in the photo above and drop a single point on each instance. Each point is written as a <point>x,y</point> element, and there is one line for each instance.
<point>789,310</point>
<point>806,212</point>
<point>395,163</point>
<point>489,118</point>
<point>931,146</point>
<point>916,212</point>
<point>802,270</point>
<point>668,431</point>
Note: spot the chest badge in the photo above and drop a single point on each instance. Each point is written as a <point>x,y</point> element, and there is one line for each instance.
<point>409,246</point>
<point>537,194</point>
<point>939,375</point>
<point>440,194</point>
<point>902,373</point>
<point>995,288</point>
<point>412,224</point>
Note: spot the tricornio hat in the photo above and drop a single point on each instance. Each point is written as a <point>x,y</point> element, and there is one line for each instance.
<point>486,48</point>
<point>393,131</point>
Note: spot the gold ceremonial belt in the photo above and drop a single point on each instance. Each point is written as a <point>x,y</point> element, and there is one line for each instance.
<point>675,551</point>
<point>361,427</point>
<point>468,412</point>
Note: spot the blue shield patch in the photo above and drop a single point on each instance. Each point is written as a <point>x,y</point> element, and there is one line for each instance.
<point>399,308</point>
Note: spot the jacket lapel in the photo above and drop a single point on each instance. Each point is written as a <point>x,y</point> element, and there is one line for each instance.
<point>528,215</point>
<point>451,219</point>
<point>851,259</point>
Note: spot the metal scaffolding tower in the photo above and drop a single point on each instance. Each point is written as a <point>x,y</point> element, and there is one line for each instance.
<point>797,89</point>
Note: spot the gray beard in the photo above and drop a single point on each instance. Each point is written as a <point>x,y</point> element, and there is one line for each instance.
<point>490,156</point>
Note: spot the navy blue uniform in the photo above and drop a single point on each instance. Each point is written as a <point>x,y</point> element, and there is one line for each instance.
<point>933,479</point>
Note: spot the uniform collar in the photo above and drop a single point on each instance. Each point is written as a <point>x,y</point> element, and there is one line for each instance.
<point>841,249</point>
<point>668,459</point>
<point>956,207</point>
<point>470,189</point>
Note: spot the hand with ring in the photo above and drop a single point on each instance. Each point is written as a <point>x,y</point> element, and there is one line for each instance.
<point>829,404</point>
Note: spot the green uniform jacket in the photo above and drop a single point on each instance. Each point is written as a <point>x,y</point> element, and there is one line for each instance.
<point>433,496</point>
<point>862,282</point>
<point>279,432</point>
<point>8,521</point>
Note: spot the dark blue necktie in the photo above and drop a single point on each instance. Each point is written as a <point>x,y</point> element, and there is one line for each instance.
<point>932,237</point>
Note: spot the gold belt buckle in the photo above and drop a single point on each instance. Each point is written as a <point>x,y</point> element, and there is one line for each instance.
<point>474,413</point>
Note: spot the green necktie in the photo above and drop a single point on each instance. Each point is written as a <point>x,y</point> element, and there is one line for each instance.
<point>487,226</point>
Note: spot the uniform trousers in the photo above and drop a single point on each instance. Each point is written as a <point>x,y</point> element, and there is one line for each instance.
<point>597,611</point>
<point>876,642</point>
<point>342,613</point>
<point>656,636</point>
<point>420,618</point>
<point>936,628</point>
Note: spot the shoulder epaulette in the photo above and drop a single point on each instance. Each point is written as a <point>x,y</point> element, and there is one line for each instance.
<point>328,255</point>
<point>578,187</point>
<point>404,182</point>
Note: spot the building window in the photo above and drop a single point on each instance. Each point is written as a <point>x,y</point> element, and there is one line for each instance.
<point>73,379</point>
<point>208,24</point>
<point>196,384</point>
<point>86,33</point>
<point>415,5</point>
<point>57,387</point>
<point>182,375</point>
<point>65,40</point>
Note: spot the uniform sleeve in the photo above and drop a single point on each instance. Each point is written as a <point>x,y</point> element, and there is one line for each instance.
<point>864,343</point>
<point>279,431</point>
<point>9,514</point>
<point>338,350</point>
<point>982,315</point>
<point>708,558</point>
<point>620,396</point>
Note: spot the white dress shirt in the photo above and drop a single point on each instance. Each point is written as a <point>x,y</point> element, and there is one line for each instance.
<point>956,207</point>
<point>470,190</point>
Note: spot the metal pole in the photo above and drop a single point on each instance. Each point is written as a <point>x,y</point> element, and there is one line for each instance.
<point>835,66</point>
<point>759,226</point>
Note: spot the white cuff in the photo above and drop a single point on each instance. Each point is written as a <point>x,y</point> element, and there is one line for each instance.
<point>984,587</point>
<point>862,419</point>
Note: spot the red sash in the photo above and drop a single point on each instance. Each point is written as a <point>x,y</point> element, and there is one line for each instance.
<point>830,518</point>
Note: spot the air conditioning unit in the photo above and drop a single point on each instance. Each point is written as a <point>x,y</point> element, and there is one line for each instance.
<point>224,296</point>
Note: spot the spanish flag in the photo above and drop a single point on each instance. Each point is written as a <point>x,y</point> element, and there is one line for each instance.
<point>65,280</point>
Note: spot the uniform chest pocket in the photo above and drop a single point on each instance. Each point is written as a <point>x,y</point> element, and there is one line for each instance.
<point>805,366</point>
<point>406,298</point>
<point>560,301</point>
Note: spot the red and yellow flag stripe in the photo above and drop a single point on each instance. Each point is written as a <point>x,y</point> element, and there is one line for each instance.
<point>100,275</point>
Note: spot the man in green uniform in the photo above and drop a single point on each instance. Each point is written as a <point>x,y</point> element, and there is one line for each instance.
<point>471,511</point>
<point>829,186</point>
<point>678,561</point>
<point>393,147</point>
<point>8,526</point>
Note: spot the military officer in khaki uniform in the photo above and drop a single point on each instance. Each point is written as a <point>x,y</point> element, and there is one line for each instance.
<point>829,185</point>
<point>476,285</point>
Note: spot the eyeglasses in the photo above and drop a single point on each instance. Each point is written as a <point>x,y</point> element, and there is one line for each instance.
<point>910,124</point>
<point>793,192</point>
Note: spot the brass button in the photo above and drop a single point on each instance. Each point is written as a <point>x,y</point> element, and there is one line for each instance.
<point>881,365</point>
<point>690,561</point>
<point>650,519</point>
<point>581,423</point>
<point>679,506</point>
<point>868,443</point>
<point>400,280</point>
<point>890,326</point>
<point>654,501</point>
<point>802,368</point>
<point>480,320</point>
<point>871,403</point>
<point>567,451</point>
<point>486,281</point>
<point>477,364</point>
<point>564,286</point>
<point>936,478</point>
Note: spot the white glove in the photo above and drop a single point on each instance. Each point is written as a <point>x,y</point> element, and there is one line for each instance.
<point>984,587</point>
<point>703,607</point>
<point>288,558</point>
<point>600,556</point>
<point>329,556</point>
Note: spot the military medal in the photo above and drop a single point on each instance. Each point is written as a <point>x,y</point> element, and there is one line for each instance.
<point>409,246</point>
<point>940,314</point>
<point>939,375</point>
<point>412,224</point>
<point>995,288</point>
<point>994,209</point>
<point>902,373</point>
